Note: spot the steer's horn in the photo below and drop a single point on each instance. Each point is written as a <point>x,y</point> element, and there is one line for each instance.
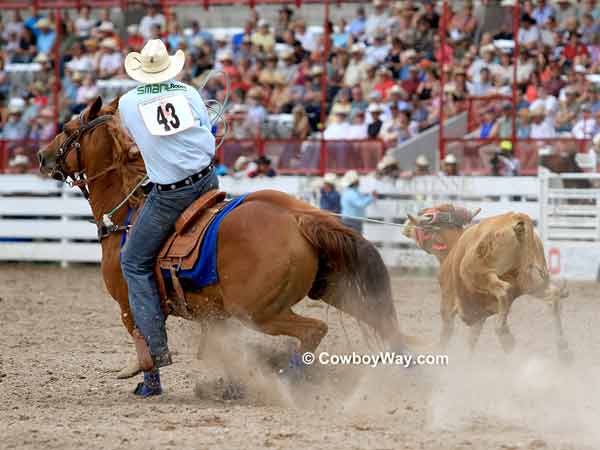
<point>473,212</point>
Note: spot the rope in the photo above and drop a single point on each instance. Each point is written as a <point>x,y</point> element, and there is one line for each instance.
<point>109,214</point>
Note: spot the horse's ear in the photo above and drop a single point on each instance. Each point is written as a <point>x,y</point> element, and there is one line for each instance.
<point>114,105</point>
<point>95,109</point>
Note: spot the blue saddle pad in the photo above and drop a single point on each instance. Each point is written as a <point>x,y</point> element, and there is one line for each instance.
<point>204,272</point>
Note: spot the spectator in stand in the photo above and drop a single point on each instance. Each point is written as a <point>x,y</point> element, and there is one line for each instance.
<point>542,12</point>
<point>384,82</point>
<point>15,127</point>
<point>529,33</point>
<point>377,52</point>
<point>84,23</point>
<point>540,127</point>
<point>151,19</point>
<point>330,198</point>
<point>356,70</point>
<point>357,130</point>
<point>487,53</point>
<point>422,166</point>
<point>283,23</point>
<point>379,19</point>
<point>263,168</point>
<point>305,36</point>
<point>197,33</point>
<point>450,166</point>
<point>43,128</point>
<point>87,91</point>
<point>338,125</point>
<point>353,203</point>
<point>79,60</point>
<point>263,39</point>
<point>374,127</point>
<point>482,87</point>
<point>358,24</point>
<point>411,85</point>
<point>111,59</point>
<point>44,36</point>
<point>586,126</point>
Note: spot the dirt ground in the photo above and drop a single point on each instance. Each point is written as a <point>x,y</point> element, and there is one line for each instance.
<point>62,342</point>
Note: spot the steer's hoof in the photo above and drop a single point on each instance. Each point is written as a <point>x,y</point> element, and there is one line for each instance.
<point>145,391</point>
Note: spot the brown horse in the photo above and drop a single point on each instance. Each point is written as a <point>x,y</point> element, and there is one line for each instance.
<point>273,250</point>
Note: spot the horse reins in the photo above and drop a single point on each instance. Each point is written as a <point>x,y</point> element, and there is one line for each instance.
<point>72,142</point>
<point>78,179</point>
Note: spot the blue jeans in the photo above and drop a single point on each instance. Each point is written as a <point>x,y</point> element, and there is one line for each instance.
<point>138,257</point>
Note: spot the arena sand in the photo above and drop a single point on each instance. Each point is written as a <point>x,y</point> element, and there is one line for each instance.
<point>62,342</point>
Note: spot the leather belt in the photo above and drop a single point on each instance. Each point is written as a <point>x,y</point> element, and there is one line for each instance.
<point>186,181</point>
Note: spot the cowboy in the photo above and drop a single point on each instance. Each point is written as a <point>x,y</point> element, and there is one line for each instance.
<point>354,203</point>
<point>330,197</point>
<point>169,122</point>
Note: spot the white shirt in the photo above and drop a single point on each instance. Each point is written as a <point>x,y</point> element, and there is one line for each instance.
<point>82,64</point>
<point>542,130</point>
<point>171,158</point>
<point>83,26</point>
<point>336,131</point>
<point>550,103</point>
<point>308,41</point>
<point>529,36</point>
<point>110,62</point>
<point>147,23</point>
<point>357,131</point>
<point>584,128</point>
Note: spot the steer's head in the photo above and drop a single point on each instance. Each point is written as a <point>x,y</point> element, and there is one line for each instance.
<point>436,230</point>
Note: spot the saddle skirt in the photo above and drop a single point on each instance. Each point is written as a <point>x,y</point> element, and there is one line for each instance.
<point>182,248</point>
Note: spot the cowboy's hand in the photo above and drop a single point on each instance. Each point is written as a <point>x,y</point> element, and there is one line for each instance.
<point>375,194</point>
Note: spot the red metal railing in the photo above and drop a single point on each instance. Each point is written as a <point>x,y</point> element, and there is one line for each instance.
<point>288,156</point>
<point>474,155</point>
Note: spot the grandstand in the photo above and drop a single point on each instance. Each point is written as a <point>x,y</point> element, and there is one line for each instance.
<point>320,86</point>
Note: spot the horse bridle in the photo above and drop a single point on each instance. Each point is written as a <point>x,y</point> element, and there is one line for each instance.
<point>77,178</point>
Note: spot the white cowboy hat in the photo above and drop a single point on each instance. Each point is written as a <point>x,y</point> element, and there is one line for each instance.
<point>422,161</point>
<point>109,43</point>
<point>330,178</point>
<point>386,162</point>
<point>240,163</point>
<point>450,159</point>
<point>153,64</point>
<point>41,58</point>
<point>107,27</point>
<point>19,160</point>
<point>16,105</point>
<point>350,178</point>
<point>545,151</point>
<point>375,107</point>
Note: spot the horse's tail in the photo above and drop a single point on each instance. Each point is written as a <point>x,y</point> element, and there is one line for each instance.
<point>352,276</point>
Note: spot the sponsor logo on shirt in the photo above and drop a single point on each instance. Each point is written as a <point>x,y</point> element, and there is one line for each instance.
<point>158,88</point>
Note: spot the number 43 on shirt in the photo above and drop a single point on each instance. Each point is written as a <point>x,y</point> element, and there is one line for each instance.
<point>167,115</point>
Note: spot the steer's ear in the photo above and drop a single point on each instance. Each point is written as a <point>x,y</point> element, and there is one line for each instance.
<point>473,212</point>
<point>412,219</point>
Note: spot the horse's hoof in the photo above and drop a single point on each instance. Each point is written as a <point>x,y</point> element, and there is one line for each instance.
<point>233,391</point>
<point>145,391</point>
<point>130,371</point>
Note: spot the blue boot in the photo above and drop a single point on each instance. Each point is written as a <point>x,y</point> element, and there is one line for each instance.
<point>151,385</point>
<point>294,372</point>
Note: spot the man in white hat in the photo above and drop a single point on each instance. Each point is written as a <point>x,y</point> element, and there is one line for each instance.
<point>354,203</point>
<point>110,58</point>
<point>169,122</point>
<point>330,197</point>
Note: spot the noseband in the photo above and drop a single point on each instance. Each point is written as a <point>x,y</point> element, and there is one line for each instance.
<point>72,142</point>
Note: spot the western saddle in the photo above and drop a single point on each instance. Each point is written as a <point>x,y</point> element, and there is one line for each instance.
<point>182,248</point>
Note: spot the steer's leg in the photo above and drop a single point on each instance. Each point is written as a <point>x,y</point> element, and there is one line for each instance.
<point>502,291</point>
<point>475,333</point>
<point>448,313</point>
<point>552,295</point>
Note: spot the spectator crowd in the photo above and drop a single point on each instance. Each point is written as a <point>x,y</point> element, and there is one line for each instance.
<point>381,65</point>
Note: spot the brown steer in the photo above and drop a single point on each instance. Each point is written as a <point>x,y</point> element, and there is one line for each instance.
<point>484,268</point>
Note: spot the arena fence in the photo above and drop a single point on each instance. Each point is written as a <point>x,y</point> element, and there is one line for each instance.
<point>43,220</point>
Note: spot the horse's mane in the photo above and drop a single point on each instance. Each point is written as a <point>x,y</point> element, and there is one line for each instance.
<point>131,170</point>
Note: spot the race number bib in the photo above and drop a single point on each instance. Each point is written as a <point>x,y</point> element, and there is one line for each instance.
<point>167,115</point>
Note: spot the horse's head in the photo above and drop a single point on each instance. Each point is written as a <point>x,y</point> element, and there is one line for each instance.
<point>86,144</point>
<point>436,230</point>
